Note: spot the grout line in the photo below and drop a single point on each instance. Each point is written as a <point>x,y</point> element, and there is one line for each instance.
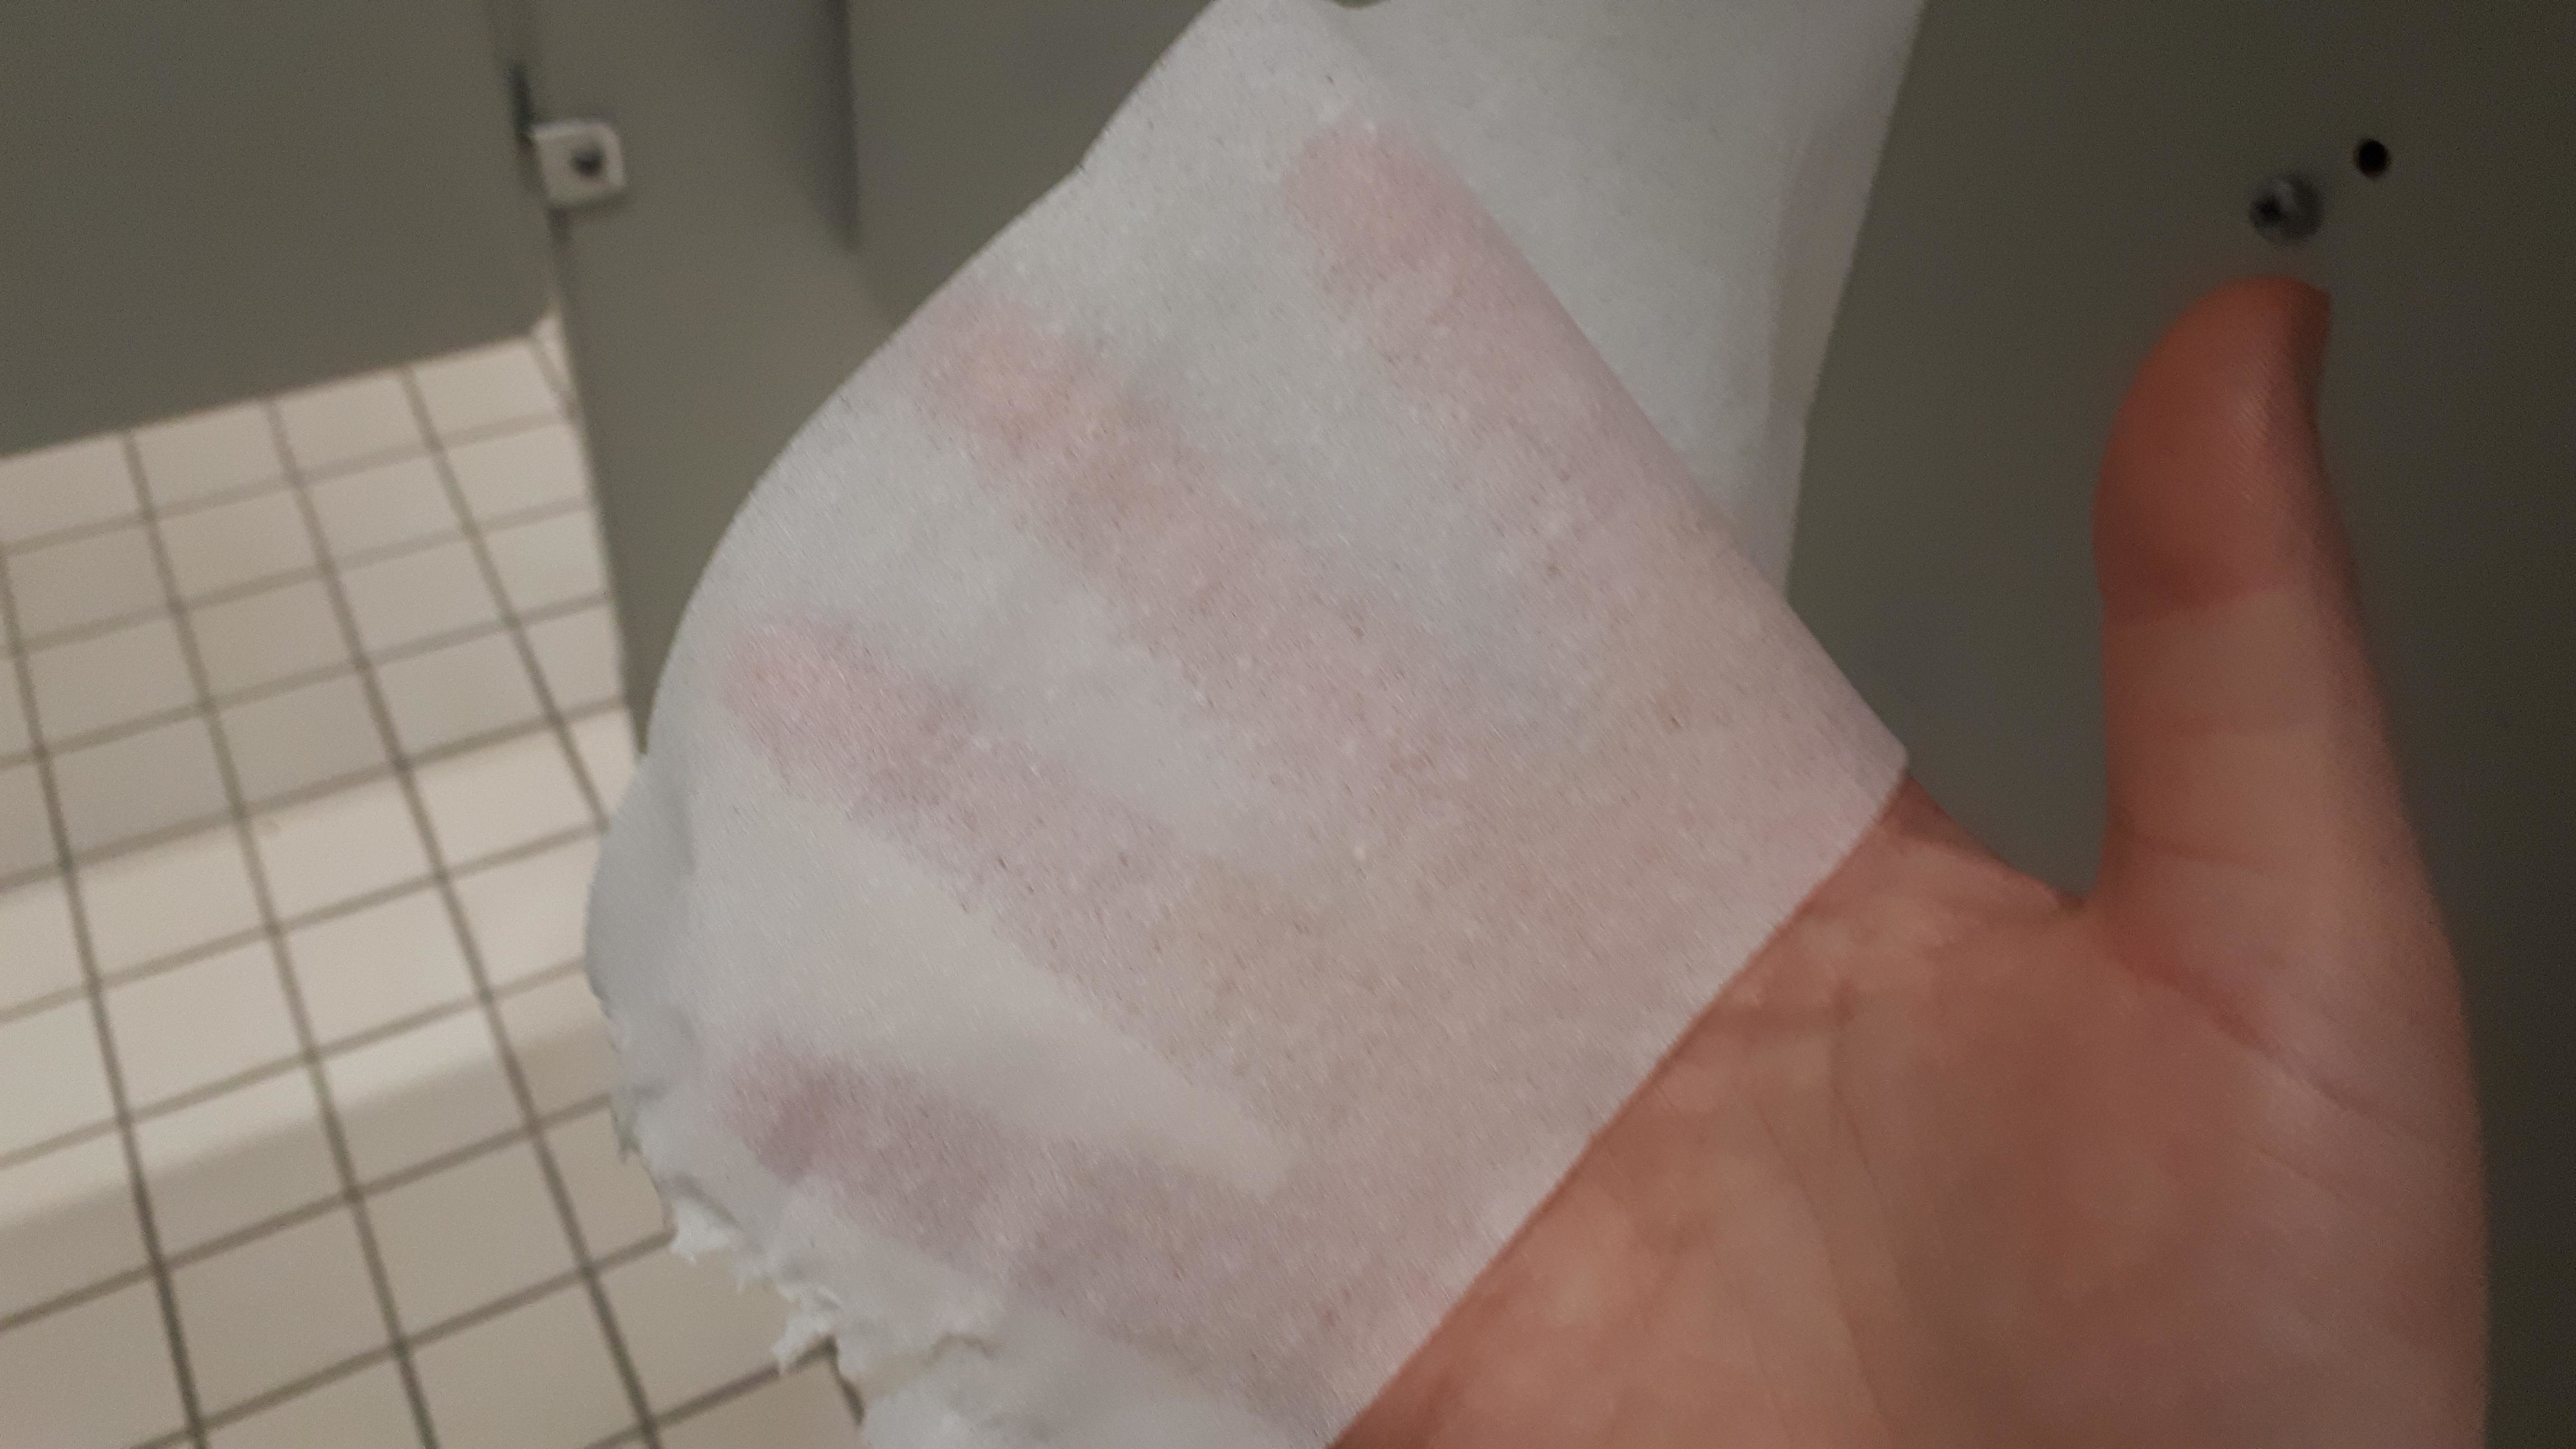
<point>304,1212</point>
<point>275,482</point>
<point>334,1131</point>
<point>36,1006</point>
<point>126,729</point>
<point>475,537</point>
<point>293,1388</point>
<point>555,719</point>
<point>527,850</point>
<point>73,534</point>
<point>277,1067</point>
<point>20,1156</point>
<point>443,877</point>
<point>359,1363</point>
<point>813,1360</point>
<point>191,1413</point>
<point>73,1298</point>
<point>556,1188</point>
<point>307,794</point>
<point>289,578</point>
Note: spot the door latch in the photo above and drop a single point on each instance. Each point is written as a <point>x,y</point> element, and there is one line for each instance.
<point>579,163</point>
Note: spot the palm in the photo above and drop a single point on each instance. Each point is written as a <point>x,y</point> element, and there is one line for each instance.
<point>1960,1161</point>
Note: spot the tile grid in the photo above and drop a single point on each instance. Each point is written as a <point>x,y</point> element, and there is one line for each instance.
<point>646,1432</point>
<point>516,628</point>
<point>275,484</point>
<point>191,1411</point>
<point>264,583</point>
<point>286,684</point>
<point>532,1127</point>
<point>444,880</point>
<point>334,1131</point>
<point>307,1211</point>
<point>447,1328</point>
<point>217,945</point>
<point>268,1071</point>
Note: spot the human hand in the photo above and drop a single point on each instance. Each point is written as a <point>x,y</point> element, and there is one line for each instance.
<point>1960,1161</point>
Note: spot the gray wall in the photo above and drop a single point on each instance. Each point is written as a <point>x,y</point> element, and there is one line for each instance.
<point>201,202</point>
<point>2060,180</point>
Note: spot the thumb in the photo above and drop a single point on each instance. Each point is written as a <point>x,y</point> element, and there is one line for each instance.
<point>2249,768</point>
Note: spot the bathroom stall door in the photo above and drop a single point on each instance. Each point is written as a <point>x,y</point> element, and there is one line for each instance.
<point>799,174</point>
<point>203,202</point>
<point>2060,179</point>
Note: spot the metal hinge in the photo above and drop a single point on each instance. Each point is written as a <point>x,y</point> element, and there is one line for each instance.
<point>578,162</point>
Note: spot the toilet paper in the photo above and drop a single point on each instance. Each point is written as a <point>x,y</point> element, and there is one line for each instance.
<point>1202,777</point>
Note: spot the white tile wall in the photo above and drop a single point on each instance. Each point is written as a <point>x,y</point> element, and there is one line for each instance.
<point>15,735</point>
<point>51,1075</point>
<point>527,912</point>
<point>200,1023</point>
<point>458,691</point>
<point>301,737</point>
<point>227,545</point>
<point>103,680</point>
<point>468,391</point>
<point>162,900</point>
<point>561,1042</point>
<point>71,1217</point>
<point>577,655</point>
<point>805,1409</point>
<point>382,1147</point>
<point>265,1313</point>
<point>84,580</point>
<point>65,487</point>
<point>549,561</point>
<point>339,846</point>
<point>364,1410</point>
<point>139,784</point>
<point>231,1161</point>
<point>340,423</point>
<point>468,1235</point>
<point>268,635</point>
<point>204,454</point>
<point>532,468</point>
<point>404,501</point>
<point>378,965</point>
<point>418,595</point>
<point>612,1196</point>
<point>490,799</point>
<point>113,1344</point>
<point>689,1327</point>
<point>38,955</point>
<point>26,835</point>
<point>420,1093</point>
<point>606,744</point>
<point>538,1374</point>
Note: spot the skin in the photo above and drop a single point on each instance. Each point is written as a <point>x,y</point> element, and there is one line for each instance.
<point>1958,1160</point>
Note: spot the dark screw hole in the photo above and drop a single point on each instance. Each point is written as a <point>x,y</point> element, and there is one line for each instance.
<point>589,161</point>
<point>2370,158</point>
<point>2286,209</point>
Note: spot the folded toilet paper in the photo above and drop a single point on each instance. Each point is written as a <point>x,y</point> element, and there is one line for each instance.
<point>1200,780</point>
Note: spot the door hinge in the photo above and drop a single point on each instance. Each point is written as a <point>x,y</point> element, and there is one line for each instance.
<point>578,162</point>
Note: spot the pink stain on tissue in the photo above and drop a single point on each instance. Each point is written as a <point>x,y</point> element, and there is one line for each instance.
<point>1569,470</point>
<point>1242,608</point>
<point>1170,1262</point>
<point>1511,878</point>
